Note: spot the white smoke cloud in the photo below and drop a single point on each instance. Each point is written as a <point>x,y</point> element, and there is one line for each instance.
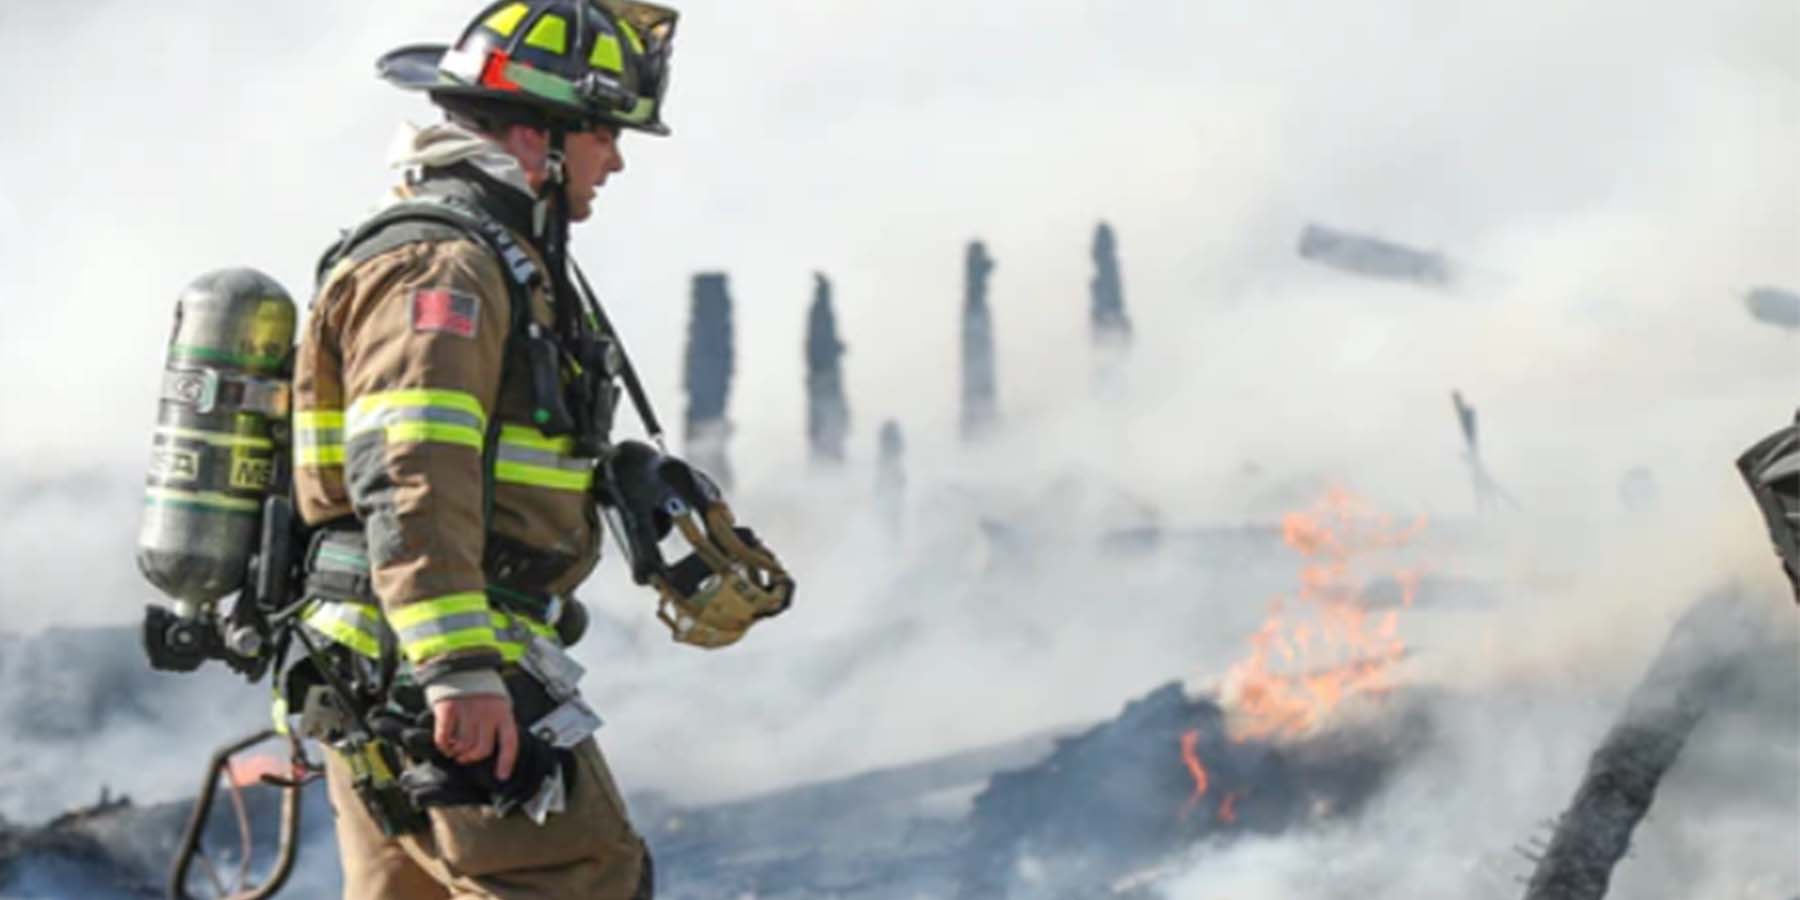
<point>1619,173</point>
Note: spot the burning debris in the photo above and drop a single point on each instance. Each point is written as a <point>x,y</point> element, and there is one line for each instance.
<point>1162,777</point>
<point>1172,772</point>
<point>1325,644</point>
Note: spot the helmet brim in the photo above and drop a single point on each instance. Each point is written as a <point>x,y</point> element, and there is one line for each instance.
<point>419,67</point>
<point>414,67</point>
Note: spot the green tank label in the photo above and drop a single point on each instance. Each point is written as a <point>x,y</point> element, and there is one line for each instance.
<point>249,473</point>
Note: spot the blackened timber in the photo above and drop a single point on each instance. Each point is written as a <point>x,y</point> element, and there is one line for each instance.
<point>890,476</point>
<point>710,363</point>
<point>980,400</point>
<point>827,410</point>
<point>1111,327</point>
<point>1695,670</point>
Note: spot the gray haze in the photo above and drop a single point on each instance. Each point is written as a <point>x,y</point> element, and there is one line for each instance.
<point>1620,172</point>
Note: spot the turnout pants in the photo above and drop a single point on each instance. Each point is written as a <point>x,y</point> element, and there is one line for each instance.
<point>587,852</point>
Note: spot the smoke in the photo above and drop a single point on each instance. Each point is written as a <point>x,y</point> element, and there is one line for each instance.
<point>1617,173</point>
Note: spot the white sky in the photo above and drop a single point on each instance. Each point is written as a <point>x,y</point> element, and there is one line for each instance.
<point>873,140</point>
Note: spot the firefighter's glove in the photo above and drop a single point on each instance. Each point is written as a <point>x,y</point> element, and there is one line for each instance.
<point>434,779</point>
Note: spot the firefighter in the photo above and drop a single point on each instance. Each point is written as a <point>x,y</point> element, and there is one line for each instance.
<point>451,397</point>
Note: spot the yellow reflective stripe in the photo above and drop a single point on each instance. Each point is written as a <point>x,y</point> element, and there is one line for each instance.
<point>526,436</point>
<point>319,437</point>
<point>550,33</point>
<point>434,432</point>
<point>461,401</point>
<point>327,455</point>
<point>420,415</point>
<point>606,54</point>
<point>349,624</point>
<point>422,649</point>
<point>528,456</point>
<point>319,418</point>
<point>637,43</point>
<point>429,628</point>
<point>513,632</point>
<point>542,476</point>
<point>216,438</point>
<point>421,611</point>
<point>506,20</point>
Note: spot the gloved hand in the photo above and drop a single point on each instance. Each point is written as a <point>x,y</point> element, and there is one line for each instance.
<point>436,779</point>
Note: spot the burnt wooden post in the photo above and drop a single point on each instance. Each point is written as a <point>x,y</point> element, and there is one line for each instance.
<point>1697,665</point>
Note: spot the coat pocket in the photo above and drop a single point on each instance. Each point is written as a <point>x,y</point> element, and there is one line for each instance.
<point>473,841</point>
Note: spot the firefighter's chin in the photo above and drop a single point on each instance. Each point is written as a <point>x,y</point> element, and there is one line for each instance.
<point>581,205</point>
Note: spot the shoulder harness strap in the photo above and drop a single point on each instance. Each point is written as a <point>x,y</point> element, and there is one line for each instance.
<point>431,217</point>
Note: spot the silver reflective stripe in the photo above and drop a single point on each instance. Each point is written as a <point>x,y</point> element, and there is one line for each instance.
<point>545,458</point>
<point>361,420</point>
<point>444,626</point>
<point>318,437</point>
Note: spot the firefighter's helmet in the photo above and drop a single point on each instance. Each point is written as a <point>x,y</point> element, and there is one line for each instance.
<point>574,63</point>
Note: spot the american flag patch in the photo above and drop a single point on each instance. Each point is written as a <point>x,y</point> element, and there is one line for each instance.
<point>445,311</point>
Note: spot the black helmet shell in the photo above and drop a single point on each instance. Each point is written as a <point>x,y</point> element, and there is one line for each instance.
<point>575,62</point>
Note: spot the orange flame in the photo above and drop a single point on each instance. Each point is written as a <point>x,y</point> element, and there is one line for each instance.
<point>1190,754</point>
<point>1304,664</point>
<point>1228,808</point>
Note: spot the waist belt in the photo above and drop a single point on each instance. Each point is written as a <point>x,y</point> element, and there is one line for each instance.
<point>337,568</point>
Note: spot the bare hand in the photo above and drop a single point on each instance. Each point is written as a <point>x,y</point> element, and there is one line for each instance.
<point>469,729</point>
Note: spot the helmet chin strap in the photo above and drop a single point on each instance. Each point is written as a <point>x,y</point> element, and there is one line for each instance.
<point>552,195</point>
<point>550,224</point>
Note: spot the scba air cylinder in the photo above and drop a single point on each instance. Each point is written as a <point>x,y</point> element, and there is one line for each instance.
<point>220,439</point>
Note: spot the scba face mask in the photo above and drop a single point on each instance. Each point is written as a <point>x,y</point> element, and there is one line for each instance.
<point>723,579</point>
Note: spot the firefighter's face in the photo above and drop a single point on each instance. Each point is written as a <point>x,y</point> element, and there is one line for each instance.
<point>588,158</point>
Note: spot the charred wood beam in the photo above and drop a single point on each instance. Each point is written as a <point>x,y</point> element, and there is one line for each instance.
<point>1698,664</point>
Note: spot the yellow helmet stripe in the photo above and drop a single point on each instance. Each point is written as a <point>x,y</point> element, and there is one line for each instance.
<point>506,20</point>
<point>607,55</point>
<point>550,33</point>
<point>637,43</point>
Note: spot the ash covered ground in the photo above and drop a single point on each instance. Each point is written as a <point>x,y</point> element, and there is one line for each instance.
<point>1596,187</point>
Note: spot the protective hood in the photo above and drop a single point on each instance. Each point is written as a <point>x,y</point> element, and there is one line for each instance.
<point>446,143</point>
